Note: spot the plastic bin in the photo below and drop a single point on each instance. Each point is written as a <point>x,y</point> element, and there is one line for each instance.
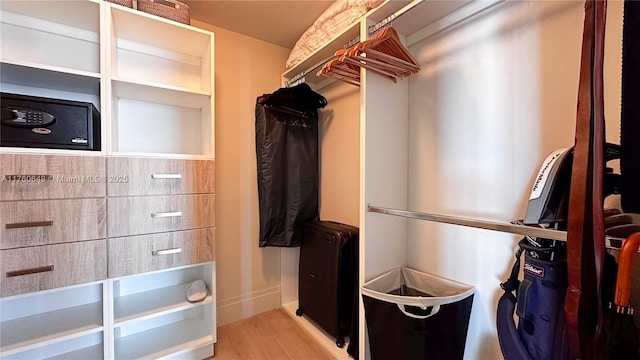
<point>414,315</point>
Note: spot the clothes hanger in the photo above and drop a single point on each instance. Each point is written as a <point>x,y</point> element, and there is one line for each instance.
<point>386,68</point>
<point>264,99</point>
<point>387,47</point>
<point>383,54</point>
<point>341,70</point>
<point>286,110</point>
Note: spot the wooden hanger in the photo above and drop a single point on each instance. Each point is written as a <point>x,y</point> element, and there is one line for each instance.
<point>341,70</point>
<point>387,48</point>
<point>383,54</point>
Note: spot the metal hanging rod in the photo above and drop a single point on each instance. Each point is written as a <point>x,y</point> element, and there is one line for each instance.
<point>295,80</point>
<point>352,42</point>
<point>373,29</point>
<point>301,75</point>
<point>481,224</point>
<point>389,19</point>
<point>611,242</point>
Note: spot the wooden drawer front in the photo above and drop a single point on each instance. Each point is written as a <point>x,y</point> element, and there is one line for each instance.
<point>33,223</point>
<point>153,214</point>
<point>47,267</point>
<point>51,177</point>
<point>143,176</point>
<point>137,254</point>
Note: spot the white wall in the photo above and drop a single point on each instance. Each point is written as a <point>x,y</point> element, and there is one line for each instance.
<point>493,99</point>
<point>248,277</point>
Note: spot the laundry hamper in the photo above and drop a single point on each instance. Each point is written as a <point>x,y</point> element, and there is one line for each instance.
<point>168,9</point>
<point>414,315</point>
<point>126,3</point>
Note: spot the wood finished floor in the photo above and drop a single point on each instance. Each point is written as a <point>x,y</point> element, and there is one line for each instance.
<point>270,335</point>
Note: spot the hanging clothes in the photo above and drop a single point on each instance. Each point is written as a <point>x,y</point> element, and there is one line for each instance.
<point>287,159</point>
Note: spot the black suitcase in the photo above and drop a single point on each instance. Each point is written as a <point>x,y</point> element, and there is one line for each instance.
<point>328,276</point>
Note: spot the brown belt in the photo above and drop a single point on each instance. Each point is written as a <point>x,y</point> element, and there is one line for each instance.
<point>585,228</point>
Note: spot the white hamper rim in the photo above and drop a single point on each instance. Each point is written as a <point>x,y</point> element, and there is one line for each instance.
<point>442,290</point>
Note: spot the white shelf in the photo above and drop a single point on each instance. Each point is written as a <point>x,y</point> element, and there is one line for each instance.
<point>416,15</point>
<point>28,79</point>
<point>154,303</point>
<point>150,120</point>
<point>161,155</point>
<point>80,14</point>
<point>165,341</point>
<point>170,90</point>
<point>56,77</point>
<point>33,331</point>
<point>17,150</point>
<point>143,28</point>
<point>81,348</point>
<point>158,93</point>
<point>147,48</point>
<point>52,33</point>
<point>89,352</point>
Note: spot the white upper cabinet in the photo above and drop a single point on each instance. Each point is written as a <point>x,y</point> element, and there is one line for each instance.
<point>156,52</point>
<point>151,78</point>
<point>53,35</point>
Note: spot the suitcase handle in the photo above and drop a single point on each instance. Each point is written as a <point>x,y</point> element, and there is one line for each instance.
<point>434,310</point>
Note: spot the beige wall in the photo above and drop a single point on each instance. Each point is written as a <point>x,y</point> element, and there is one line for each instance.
<point>340,154</point>
<point>339,131</point>
<point>248,277</point>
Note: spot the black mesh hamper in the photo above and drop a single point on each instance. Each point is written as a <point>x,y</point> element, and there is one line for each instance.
<point>414,315</point>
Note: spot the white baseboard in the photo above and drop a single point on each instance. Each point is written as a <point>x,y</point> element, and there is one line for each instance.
<point>241,307</point>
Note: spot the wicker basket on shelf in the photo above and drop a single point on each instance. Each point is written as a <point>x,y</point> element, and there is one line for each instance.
<point>168,9</point>
<point>127,3</point>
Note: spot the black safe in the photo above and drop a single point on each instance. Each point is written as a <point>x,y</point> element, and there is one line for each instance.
<point>38,122</point>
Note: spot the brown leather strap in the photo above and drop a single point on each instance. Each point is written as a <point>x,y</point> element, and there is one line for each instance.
<point>579,187</point>
<point>585,237</point>
<point>598,242</point>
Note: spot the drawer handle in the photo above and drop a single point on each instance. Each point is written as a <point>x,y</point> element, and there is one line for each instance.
<point>29,224</point>
<point>30,271</point>
<point>166,214</point>
<point>166,251</point>
<point>166,176</point>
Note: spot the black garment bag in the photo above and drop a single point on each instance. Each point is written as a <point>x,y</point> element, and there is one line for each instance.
<point>287,159</point>
<point>630,108</point>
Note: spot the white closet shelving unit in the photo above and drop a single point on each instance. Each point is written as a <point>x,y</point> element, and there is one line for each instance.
<point>152,81</point>
<point>399,224</point>
<point>66,321</point>
<point>51,53</point>
<point>161,95</point>
<point>151,309</point>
